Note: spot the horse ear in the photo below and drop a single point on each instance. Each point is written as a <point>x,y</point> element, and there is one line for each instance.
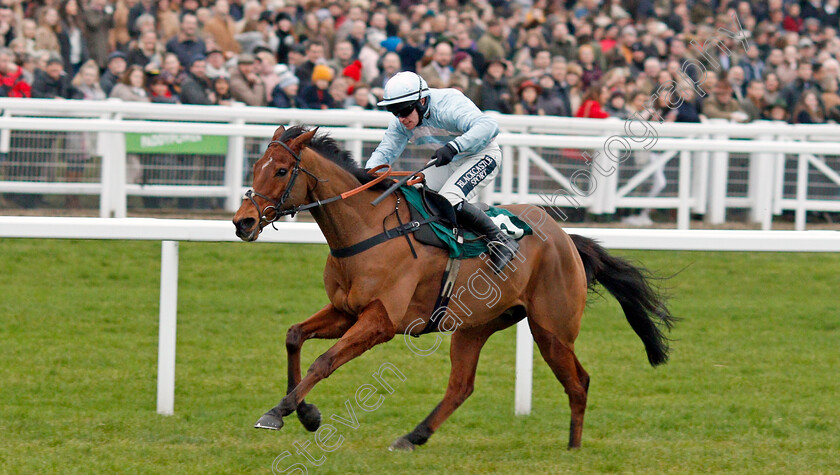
<point>302,141</point>
<point>278,133</point>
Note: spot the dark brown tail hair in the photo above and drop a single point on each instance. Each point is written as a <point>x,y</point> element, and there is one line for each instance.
<point>643,305</point>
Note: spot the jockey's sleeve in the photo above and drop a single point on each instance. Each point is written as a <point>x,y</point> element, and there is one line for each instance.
<point>392,145</point>
<point>460,114</point>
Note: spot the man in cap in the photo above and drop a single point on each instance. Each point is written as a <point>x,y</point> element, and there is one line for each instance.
<point>114,69</point>
<point>245,84</point>
<point>53,83</point>
<point>196,88</point>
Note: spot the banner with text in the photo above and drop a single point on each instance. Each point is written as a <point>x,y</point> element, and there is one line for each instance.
<point>183,144</point>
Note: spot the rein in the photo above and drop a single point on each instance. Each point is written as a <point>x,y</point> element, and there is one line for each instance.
<point>272,212</point>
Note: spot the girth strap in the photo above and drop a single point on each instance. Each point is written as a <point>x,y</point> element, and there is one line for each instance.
<point>447,283</point>
<point>386,235</point>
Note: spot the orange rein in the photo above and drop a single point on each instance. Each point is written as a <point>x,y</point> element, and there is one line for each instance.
<point>379,177</point>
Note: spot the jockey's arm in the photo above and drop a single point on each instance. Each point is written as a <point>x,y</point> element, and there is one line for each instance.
<point>391,147</point>
<point>477,128</point>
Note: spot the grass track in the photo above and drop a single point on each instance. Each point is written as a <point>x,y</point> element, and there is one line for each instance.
<point>752,386</point>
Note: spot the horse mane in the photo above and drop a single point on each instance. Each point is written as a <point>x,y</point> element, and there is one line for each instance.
<point>328,148</point>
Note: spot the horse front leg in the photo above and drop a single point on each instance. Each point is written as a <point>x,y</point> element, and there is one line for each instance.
<point>327,323</point>
<point>371,328</point>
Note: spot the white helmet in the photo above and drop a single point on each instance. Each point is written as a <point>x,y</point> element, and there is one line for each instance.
<point>403,90</point>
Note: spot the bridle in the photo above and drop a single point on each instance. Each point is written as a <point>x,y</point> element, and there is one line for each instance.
<point>274,208</point>
<point>272,212</point>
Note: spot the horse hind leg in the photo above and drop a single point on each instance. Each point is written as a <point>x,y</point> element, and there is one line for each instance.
<point>568,370</point>
<point>464,351</point>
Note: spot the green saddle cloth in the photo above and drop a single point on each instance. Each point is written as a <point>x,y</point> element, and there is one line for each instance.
<point>472,245</point>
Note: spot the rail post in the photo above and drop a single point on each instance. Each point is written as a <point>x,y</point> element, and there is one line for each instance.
<point>167,327</point>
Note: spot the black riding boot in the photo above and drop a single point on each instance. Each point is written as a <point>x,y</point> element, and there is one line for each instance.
<point>502,247</point>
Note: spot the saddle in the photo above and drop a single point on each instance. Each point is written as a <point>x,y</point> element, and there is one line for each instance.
<point>439,208</point>
<point>433,222</point>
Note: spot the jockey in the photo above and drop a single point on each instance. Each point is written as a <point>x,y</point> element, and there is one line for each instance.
<point>466,157</point>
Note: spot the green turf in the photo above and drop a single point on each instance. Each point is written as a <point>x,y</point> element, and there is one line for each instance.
<point>752,386</point>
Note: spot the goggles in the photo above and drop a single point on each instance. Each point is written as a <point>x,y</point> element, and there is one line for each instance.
<point>402,109</point>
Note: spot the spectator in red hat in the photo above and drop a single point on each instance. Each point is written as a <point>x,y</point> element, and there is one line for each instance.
<point>353,72</point>
<point>528,93</point>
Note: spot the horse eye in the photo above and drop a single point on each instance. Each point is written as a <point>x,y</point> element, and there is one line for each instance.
<point>281,172</point>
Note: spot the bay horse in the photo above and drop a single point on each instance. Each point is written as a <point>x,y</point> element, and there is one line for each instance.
<point>383,291</point>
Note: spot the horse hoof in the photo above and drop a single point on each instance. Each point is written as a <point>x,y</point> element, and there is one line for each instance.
<point>269,421</point>
<point>309,416</point>
<point>402,445</point>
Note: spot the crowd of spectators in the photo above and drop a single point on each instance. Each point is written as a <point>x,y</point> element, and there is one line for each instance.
<point>773,60</point>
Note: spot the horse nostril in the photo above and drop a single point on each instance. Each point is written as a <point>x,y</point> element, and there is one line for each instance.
<point>246,224</point>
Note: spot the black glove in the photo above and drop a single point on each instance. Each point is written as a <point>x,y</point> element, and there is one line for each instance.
<point>444,155</point>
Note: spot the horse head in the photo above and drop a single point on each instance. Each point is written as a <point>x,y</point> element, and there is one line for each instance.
<point>277,186</point>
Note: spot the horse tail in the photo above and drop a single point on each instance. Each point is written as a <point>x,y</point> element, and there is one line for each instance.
<point>643,305</point>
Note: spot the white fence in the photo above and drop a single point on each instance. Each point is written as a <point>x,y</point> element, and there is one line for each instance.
<point>765,168</point>
<point>172,231</point>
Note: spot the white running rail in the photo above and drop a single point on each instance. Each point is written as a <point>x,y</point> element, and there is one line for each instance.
<point>170,232</point>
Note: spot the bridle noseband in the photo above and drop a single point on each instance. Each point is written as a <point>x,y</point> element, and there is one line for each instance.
<point>274,208</point>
